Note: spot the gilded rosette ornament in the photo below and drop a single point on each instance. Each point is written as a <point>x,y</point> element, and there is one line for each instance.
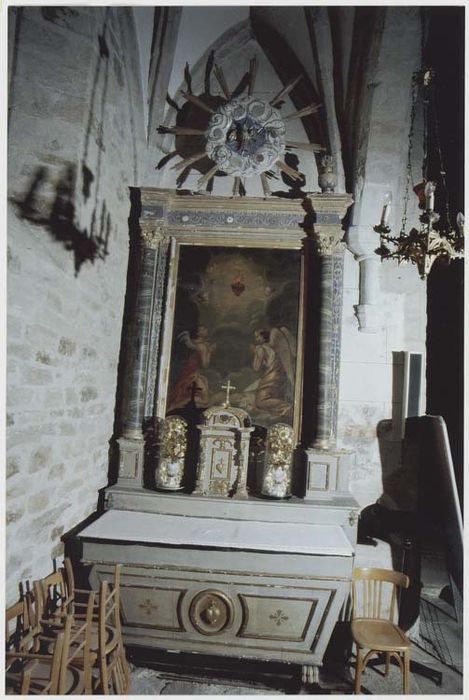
<point>173,445</point>
<point>245,137</point>
<point>276,481</point>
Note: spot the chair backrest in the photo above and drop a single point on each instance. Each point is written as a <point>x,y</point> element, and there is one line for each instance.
<point>109,604</point>
<point>374,593</point>
<point>52,595</point>
<point>114,670</point>
<point>52,682</point>
<point>69,577</point>
<point>22,623</point>
<point>77,639</point>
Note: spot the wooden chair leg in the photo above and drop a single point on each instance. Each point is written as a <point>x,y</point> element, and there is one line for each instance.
<point>406,672</point>
<point>387,664</point>
<point>358,670</point>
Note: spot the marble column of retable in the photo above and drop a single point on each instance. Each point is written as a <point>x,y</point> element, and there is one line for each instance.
<point>327,466</point>
<point>147,313</point>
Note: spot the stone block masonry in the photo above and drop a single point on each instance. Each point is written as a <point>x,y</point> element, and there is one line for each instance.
<point>76,143</point>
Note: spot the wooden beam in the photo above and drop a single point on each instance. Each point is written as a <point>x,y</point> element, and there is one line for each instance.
<point>311,109</point>
<point>204,180</point>
<point>286,91</point>
<point>220,76</point>
<point>303,146</point>
<point>197,101</point>
<point>252,75</point>
<point>188,161</point>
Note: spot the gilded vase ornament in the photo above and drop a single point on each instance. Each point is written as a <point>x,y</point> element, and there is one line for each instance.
<point>173,445</point>
<point>276,481</point>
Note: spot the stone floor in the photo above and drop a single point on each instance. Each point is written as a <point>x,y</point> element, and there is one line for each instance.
<point>436,669</point>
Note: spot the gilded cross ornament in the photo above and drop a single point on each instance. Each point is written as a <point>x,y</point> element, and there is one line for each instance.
<point>278,617</point>
<point>147,605</point>
<point>229,387</point>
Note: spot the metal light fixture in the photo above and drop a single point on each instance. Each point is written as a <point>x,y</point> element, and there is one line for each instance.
<point>437,238</point>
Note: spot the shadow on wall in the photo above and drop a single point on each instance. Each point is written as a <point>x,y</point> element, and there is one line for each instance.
<point>60,221</point>
<point>295,186</point>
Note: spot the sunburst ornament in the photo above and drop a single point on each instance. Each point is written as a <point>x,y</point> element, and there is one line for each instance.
<point>239,136</point>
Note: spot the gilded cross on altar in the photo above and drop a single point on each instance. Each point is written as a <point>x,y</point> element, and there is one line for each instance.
<point>228,386</point>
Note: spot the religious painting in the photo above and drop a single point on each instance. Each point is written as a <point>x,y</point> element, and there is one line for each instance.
<point>236,320</point>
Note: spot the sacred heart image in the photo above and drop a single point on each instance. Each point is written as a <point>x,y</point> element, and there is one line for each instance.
<point>236,319</point>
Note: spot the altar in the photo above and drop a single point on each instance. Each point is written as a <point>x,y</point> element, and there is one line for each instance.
<point>231,511</point>
<point>252,589</point>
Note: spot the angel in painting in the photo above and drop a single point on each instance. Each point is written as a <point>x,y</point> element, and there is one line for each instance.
<point>274,356</point>
<point>191,382</point>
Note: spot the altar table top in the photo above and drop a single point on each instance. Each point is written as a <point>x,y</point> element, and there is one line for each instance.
<point>219,533</point>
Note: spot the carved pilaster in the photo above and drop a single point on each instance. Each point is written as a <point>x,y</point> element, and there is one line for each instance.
<point>325,252</point>
<point>154,341</point>
<point>140,332</point>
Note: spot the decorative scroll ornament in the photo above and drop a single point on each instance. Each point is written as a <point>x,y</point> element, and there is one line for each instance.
<point>230,134</point>
<point>276,481</point>
<point>173,446</point>
<point>151,235</point>
<point>245,137</point>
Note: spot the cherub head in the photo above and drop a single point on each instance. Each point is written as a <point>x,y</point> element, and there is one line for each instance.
<point>261,335</point>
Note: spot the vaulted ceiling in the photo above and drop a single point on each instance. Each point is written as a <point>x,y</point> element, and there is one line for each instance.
<point>357,62</point>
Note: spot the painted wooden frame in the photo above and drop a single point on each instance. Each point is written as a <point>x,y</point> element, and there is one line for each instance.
<point>234,311</point>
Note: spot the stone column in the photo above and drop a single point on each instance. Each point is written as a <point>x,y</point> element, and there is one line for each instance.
<point>362,242</point>
<point>131,443</point>
<point>325,253</point>
<point>326,243</point>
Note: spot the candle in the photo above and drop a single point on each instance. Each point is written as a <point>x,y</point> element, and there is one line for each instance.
<point>386,209</point>
<point>430,196</point>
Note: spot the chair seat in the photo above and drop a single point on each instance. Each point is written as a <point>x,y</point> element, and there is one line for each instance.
<point>111,637</point>
<point>380,635</point>
<point>40,674</point>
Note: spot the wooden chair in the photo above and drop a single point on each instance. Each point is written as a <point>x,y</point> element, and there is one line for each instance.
<point>51,592</point>
<point>21,624</point>
<point>106,645</point>
<point>54,606</point>
<point>46,674</point>
<point>374,627</point>
<point>114,673</point>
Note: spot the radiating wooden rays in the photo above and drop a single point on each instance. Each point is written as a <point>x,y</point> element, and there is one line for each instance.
<point>276,102</point>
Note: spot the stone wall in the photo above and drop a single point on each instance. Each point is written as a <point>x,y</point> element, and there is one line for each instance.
<point>369,394</point>
<point>76,143</point>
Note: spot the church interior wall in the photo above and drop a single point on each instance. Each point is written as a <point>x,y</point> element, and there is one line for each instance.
<point>77,141</point>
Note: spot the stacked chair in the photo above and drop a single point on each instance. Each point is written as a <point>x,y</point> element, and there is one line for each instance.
<point>66,641</point>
